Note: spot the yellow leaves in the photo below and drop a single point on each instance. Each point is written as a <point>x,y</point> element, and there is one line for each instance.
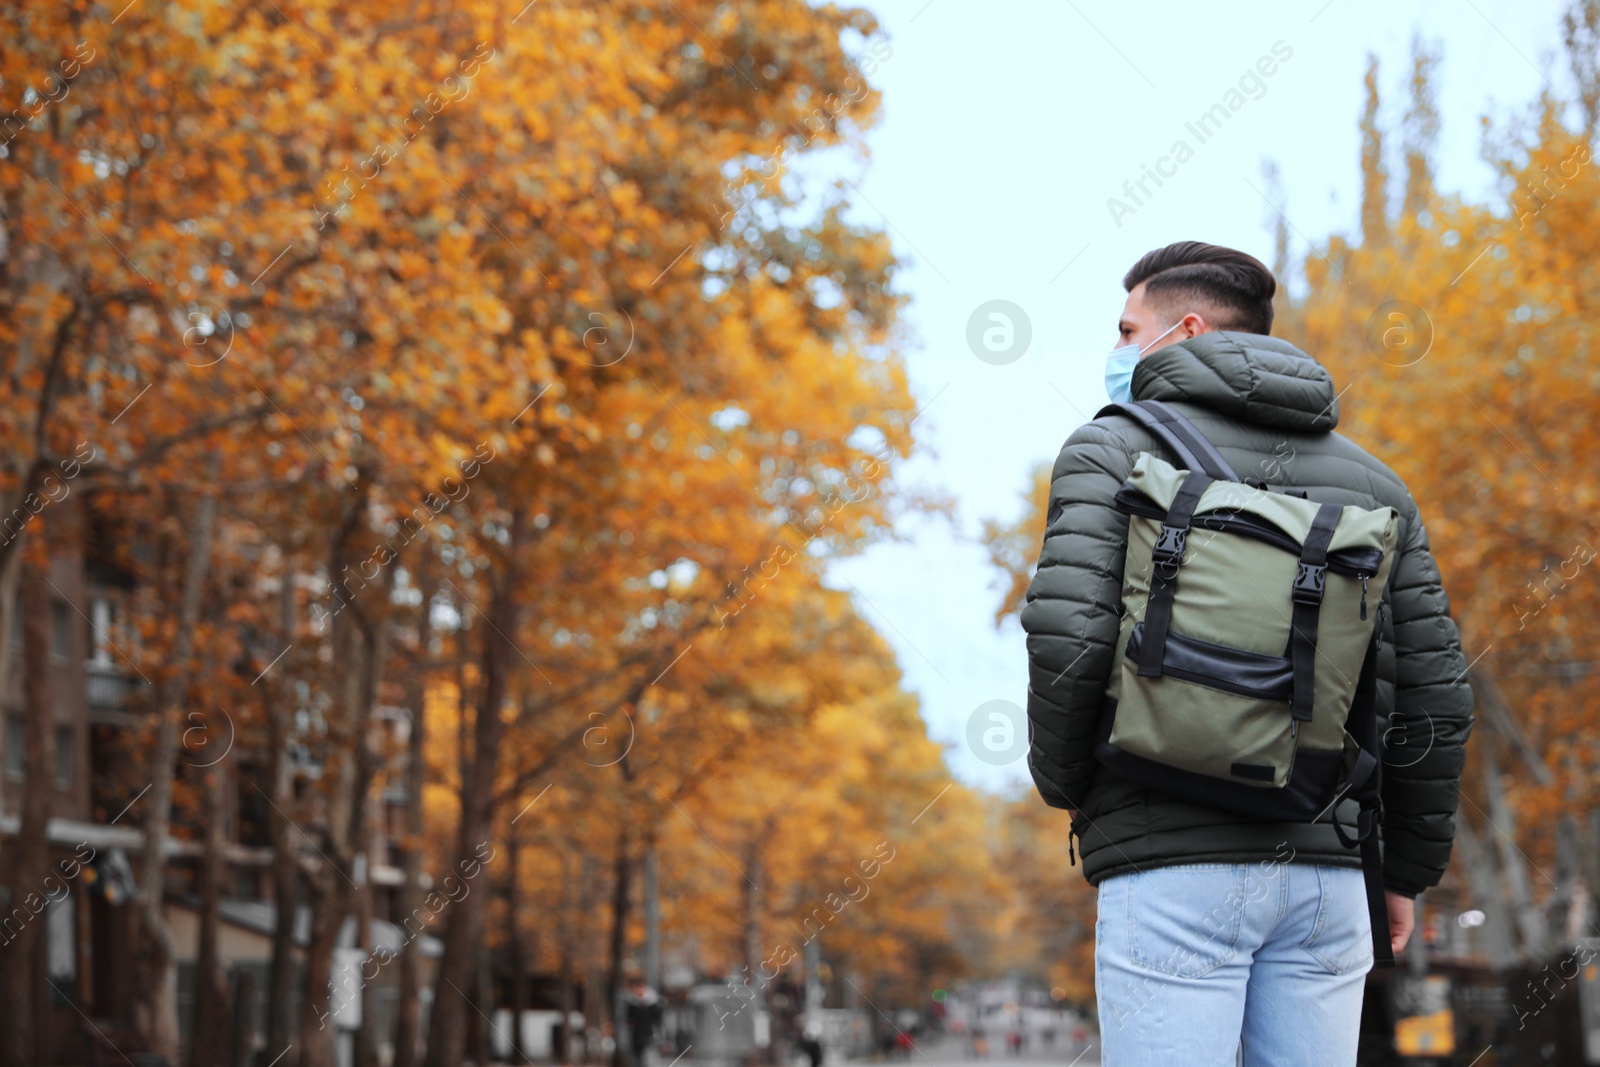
<point>450,301</point>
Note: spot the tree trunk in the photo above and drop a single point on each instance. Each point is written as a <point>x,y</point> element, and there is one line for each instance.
<point>10,619</point>
<point>1591,864</point>
<point>652,912</point>
<point>565,932</point>
<point>515,950</point>
<point>285,862</point>
<point>360,829</point>
<point>366,1044</point>
<point>244,1008</point>
<point>1488,888</point>
<point>483,1000</point>
<point>1513,865</point>
<point>31,476</point>
<point>594,975</point>
<point>333,884</point>
<point>1497,711</point>
<point>28,863</point>
<point>753,952</point>
<point>621,886</point>
<point>209,1034</point>
<point>286,902</point>
<point>374,639</point>
<point>285,890</point>
<point>408,1024</point>
<point>358,647</point>
<point>318,999</point>
<point>155,1011</point>
<point>447,1031</point>
<point>1569,911</point>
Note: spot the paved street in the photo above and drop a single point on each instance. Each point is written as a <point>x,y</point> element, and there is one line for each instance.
<point>957,1052</point>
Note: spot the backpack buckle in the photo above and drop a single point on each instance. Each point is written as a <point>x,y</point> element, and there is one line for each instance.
<point>1309,581</point>
<point>1169,545</point>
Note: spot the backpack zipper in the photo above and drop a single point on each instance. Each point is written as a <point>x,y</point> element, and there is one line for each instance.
<point>1364,576</point>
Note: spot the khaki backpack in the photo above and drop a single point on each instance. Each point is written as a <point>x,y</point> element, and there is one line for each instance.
<point>1246,669</point>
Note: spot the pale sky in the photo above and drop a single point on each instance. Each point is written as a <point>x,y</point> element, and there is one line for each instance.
<point>1006,127</point>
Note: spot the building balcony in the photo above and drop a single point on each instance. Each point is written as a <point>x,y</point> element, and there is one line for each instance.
<point>109,689</point>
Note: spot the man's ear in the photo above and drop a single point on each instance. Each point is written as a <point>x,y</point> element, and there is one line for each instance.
<point>1194,324</point>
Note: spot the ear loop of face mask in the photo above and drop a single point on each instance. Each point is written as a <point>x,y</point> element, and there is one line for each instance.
<point>1120,364</point>
<point>1157,341</point>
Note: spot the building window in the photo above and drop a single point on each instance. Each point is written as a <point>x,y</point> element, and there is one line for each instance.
<point>16,743</point>
<point>61,941</point>
<point>11,655</point>
<point>102,619</point>
<point>66,739</point>
<point>60,630</point>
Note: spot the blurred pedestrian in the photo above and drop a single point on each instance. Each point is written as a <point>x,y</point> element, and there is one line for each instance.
<point>902,1044</point>
<point>811,1044</point>
<point>644,1011</point>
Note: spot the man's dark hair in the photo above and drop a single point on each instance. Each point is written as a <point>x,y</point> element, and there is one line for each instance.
<point>1232,289</point>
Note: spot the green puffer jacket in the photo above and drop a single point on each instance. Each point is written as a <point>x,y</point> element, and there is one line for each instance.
<point>1269,409</point>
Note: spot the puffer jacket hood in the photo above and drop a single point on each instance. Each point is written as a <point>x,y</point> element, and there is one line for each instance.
<point>1249,377</point>
<point>1270,410</point>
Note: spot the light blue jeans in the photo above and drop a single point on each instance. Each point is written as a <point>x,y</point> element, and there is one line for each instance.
<point>1195,962</point>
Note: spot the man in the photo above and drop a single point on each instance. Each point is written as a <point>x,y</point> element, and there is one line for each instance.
<point>1217,932</point>
<point>644,1012</point>
<point>811,1043</point>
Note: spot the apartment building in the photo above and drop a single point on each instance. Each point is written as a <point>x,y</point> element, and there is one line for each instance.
<point>82,967</point>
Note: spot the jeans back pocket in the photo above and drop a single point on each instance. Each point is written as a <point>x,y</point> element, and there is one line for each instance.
<point>1184,920</point>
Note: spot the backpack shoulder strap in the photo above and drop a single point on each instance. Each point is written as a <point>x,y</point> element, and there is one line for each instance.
<point>1178,434</point>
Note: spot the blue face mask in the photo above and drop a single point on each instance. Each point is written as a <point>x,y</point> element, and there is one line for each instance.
<point>1120,364</point>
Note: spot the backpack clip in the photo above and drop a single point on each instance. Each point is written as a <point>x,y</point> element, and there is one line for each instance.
<point>1309,582</point>
<point>1170,544</point>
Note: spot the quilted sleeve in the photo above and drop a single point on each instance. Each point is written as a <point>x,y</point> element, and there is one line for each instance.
<point>1424,742</point>
<point>1072,612</point>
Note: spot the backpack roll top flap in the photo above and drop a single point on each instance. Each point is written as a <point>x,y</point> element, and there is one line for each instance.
<point>1249,613</point>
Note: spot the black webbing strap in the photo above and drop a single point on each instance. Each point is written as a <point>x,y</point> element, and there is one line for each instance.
<point>1365,784</point>
<point>1178,434</point>
<point>1210,459</point>
<point>1167,556</point>
<point>1377,903</point>
<point>1307,596</point>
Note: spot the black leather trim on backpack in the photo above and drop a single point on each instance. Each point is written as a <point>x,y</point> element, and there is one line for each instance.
<point>1250,674</point>
<point>1306,796</point>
